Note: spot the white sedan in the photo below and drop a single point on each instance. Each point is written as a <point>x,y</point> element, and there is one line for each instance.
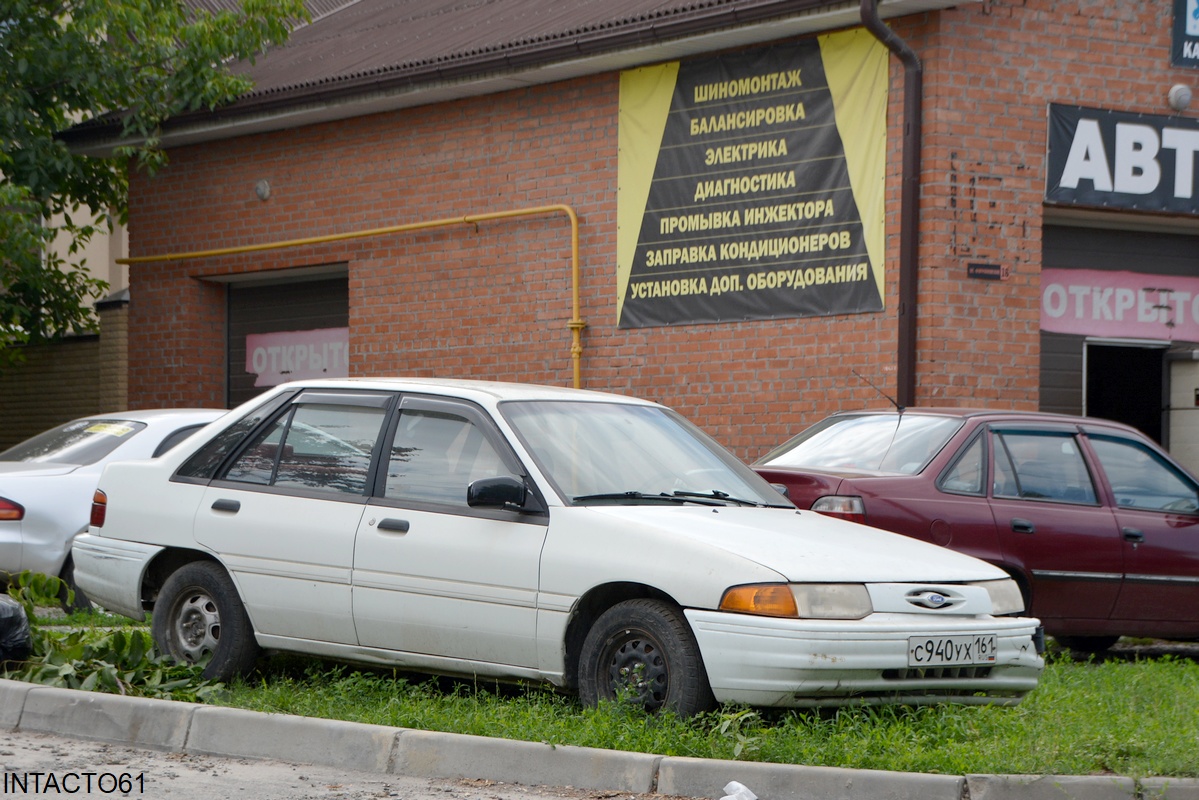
<point>597,542</point>
<point>47,482</point>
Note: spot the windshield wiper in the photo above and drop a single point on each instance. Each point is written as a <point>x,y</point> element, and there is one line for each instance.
<point>716,494</point>
<point>642,496</point>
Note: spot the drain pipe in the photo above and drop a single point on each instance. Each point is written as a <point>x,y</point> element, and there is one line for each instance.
<point>909,211</point>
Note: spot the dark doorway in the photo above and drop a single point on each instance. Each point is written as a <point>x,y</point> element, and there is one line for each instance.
<point>1126,384</point>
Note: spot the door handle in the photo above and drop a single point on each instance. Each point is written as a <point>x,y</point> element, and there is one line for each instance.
<point>1133,535</point>
<point>393,525</point>
<point>1023,526</point>
<point>226,505</point>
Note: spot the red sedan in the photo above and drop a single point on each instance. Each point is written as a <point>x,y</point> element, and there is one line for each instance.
<point>1096,522</point>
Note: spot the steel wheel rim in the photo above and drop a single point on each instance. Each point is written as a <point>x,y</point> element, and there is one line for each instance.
<point>197,625</point>
<point>636,669</point>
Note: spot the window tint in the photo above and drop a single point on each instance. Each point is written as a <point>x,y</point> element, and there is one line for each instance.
<point>316,446</point>
<point>204,462</point>
<point>436,454</point>
<point>1038,466</point>
<point>1141,478</point>
<point>968,472</point>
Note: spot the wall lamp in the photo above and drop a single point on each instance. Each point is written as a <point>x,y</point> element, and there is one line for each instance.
<point>1179,97</point>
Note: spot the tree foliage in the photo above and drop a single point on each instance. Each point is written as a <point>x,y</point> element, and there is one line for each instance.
<point>67,62</point>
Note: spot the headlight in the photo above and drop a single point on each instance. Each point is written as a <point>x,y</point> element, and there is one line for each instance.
<point>799,600</point>
<point>832,600</point>
<point>1005,596</point>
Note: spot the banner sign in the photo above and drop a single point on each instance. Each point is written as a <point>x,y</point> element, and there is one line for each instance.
<point>292,355</point>
<point>1113,159</point>
<point>1185,51</point>
<point>1124,305</point>
<point>751,186</point>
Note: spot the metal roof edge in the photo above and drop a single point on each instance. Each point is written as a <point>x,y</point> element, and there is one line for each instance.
<point>498,71</point>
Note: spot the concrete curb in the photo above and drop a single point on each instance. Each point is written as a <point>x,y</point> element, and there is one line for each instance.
<point>209,730</point>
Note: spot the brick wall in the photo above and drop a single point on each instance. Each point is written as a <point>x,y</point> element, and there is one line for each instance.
<point>493,300</point>
<point>55,383</point>
<point>63,380</point>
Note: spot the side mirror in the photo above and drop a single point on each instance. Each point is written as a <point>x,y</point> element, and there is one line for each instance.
<point>502,492</point>
<point>781,488</point>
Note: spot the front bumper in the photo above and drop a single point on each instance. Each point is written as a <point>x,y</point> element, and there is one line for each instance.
<point>766,661</point>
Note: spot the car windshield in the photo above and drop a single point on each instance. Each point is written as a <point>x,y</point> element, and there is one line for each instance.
<point>625,453</point>
<point>896,443</point>
<point>81,442</point>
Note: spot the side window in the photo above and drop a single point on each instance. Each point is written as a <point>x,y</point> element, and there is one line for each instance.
<point>436,454</point>
<point>968,472</point>
<point>323,447</point>
<point>1036,466</point>
<point>1142,479</point>
<point>204,463</point>
<point>175,437</point>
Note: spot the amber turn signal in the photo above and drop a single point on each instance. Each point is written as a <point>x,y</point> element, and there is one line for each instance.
<point>767,599</point>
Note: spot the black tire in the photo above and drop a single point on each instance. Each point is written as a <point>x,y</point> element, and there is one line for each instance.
<point>643,651</point>
<point>1087,644</point>
<point>198,616</point>
<point>80,602</point>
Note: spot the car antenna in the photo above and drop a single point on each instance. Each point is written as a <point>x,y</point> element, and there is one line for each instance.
<point>869,383</point>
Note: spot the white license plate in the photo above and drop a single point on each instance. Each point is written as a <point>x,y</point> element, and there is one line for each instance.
<point>948,651</point>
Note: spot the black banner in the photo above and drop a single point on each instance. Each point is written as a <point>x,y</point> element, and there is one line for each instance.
<point>1114,159</point>
<point>1185,49</point>
<point>751,211</point>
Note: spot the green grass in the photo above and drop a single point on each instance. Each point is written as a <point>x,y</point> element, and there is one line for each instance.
<point>1131,715</point>
<point>1111,717</point>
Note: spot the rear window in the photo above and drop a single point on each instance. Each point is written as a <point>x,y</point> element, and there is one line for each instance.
<point>83,441</point>
<point>895,443</point>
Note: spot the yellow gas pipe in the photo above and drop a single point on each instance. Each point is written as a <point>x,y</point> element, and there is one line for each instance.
<point>576,323</point>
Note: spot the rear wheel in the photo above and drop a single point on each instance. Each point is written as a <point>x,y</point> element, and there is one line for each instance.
<point>642,651</point>
<point>199,618</point>
<point>1087,644</point>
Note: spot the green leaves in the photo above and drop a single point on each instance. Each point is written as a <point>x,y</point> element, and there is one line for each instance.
<point>67,62</point>
<point>117,661</point>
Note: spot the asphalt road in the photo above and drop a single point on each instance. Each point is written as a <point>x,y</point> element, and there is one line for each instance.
<point>36,764</point>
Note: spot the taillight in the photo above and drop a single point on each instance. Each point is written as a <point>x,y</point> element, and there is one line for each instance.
<point>9,510</point>
<point>99,509</point>
<point>841,506</point>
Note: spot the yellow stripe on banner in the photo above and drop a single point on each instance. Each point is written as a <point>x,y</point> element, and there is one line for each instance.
<point>645,97</point>
<point>857,67</point>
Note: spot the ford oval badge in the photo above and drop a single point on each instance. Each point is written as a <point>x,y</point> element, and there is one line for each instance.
<point>929,599</point>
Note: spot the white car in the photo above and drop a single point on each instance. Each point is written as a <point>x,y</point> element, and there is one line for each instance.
<point>597,542</point>
<point>47,482</point>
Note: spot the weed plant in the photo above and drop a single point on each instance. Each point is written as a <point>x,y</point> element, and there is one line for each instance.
<point>1132,717</point>
<point>1135,718</point>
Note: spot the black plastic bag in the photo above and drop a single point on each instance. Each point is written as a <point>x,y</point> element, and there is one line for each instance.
<point>16,640</point>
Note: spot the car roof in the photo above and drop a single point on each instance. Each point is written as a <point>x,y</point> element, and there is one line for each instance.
<point>991,415</point>
<point>493,391</point>
<point>161,414</point>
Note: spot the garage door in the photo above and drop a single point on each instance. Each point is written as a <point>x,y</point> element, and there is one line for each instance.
<point>285,331</point>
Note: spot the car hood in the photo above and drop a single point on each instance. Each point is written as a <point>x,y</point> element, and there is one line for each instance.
<point>33,469</point>
<point>804,546</point>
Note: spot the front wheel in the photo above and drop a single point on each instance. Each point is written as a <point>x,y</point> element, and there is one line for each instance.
<point>200,617</point>
<point>642,651</point>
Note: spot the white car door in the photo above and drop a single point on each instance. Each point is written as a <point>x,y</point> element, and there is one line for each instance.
<point>432,575</point>
<point>283,516</point>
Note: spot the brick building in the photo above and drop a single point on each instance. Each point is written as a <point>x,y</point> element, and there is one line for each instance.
<point>1050,261</point>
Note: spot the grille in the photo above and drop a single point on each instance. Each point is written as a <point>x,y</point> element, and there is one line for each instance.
<point>936,673</point>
